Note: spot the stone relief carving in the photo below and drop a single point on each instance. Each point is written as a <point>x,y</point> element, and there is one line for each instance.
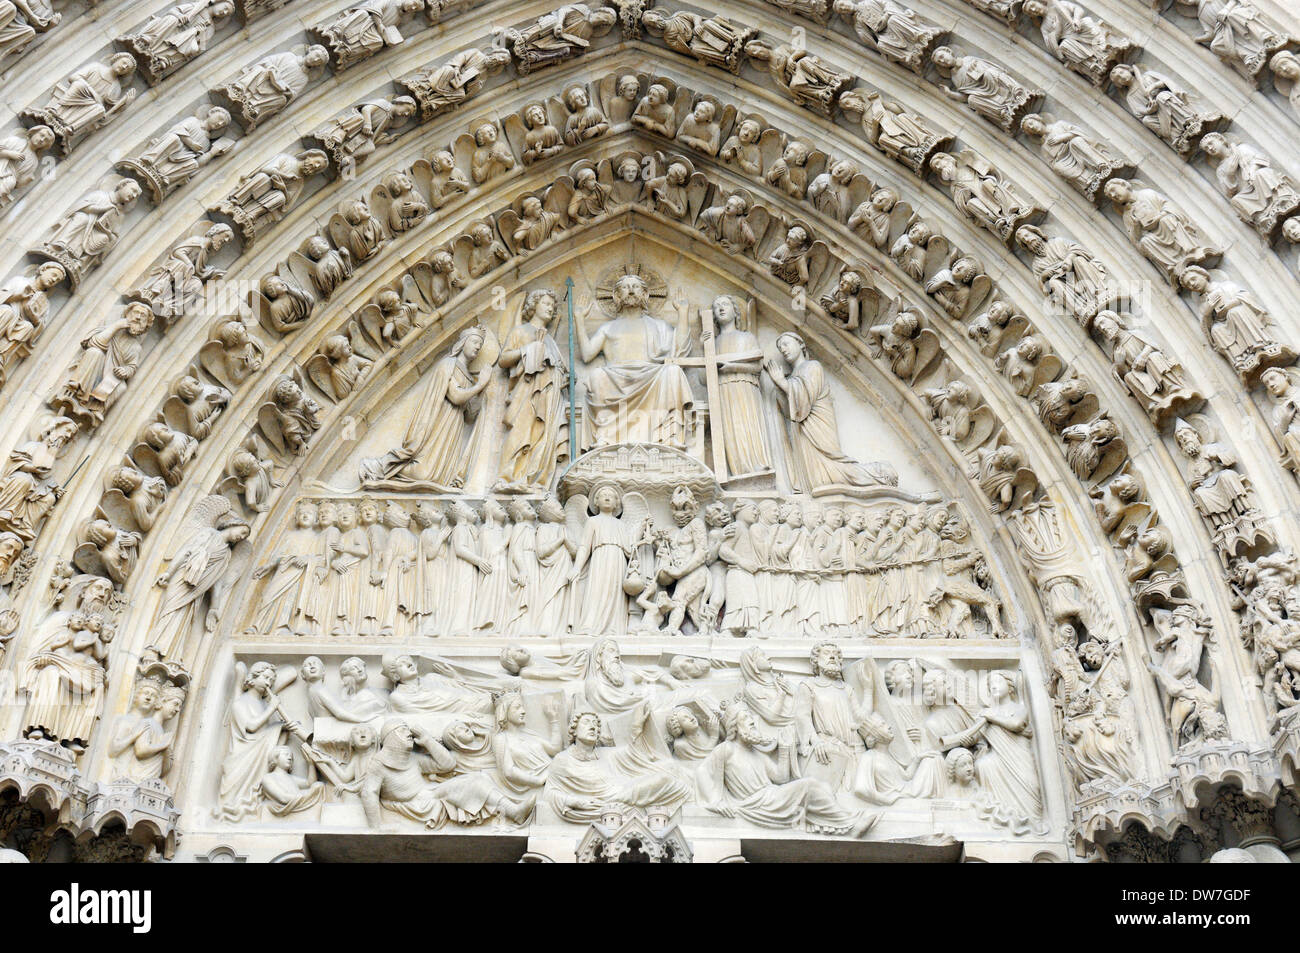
<point>1158,383</point>
<point>1283,392</point>
<point>88,231</point>
<point>354,136</point>
<point>1240,34</point>
<point>1237,325</point>
<point>442,88</point>
<point>65,677</point>
<point>1164,234</point>
<point>20,23</point>
<point>20,161</point>
<point>362,31</point>
<point>268,86</point>
<point>904,136</point>
<point>802,75</point>
<point>265,196</point>
<point>326,246</point>
<point>88,100</point>
<point>169,161</point>
<point>894,31</point>
<point>1085,162</point>
<point>170,39</point>
<point>602,563</point>
<point>1087,45</point>
<point>1164,106</point>
<point>142,738</point>
<point>558,36</point>
<point>199,575</point>
<point>754,741</point>
<point>715,41</point>
<point>986,87</point>
<point>110,355</point>
<point>1261,195</point>
<point>174,287</point>
<point>1223,496</point>
<point>24,312</point>
<point>983,194</point>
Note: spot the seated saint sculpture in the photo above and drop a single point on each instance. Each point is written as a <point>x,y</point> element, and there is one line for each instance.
<point>815,459</point>
<point>742,778</point>
<point>582,784</point>
<point>401,780</point>
<point>638,396</point>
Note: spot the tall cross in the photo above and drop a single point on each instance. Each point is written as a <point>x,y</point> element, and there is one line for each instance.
<point>710,362</point>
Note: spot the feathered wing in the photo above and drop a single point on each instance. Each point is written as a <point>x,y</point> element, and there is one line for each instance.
<point>575,518</point>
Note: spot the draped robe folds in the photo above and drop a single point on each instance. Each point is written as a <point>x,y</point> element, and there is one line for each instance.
<point>400,593</point>
<point>406,790</point>
<point>744,442</point>
<point>370,597</point>
<point>742,606</point>
<point>1217,488</point>
<point>520,617</point>
<point>832,720</point>
<point>758,789</point>
<point>65,693</point>
<point>286,794</point>
<point>578,778</point>
<point>107,351</point>
<point>430,577</point>
<point>520,752</point>
<point>316,602</point>
<point>1255,186</point>
<point>247,756</point>
<point>988,90</point>
<point>536,411</point>
<point>931,776</point>
<point>1237,324</point>
<point>25,498</point>
<point>432,450</point>
<point>1164,235</point>
<point>551,614</point>
<point>816,460</point>
<point>603,610</point>
<point>145,734</point>
<point>640,401</point>
<point>1007,772</point>
<point>492,601</point>
<point>459,589</point>
<point>434,701</point>
<point>177,154</point>
<point>282,597</point>
<point>90,228</point>
<point>600,692</point>
<point>195,570</point>
<point>773,707</point>
<point>349,552</point>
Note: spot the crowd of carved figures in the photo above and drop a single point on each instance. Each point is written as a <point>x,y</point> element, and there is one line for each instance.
<point>1072,278</point>
<point>286,299</point>
<point>817,745</point>
<point>519,567</point>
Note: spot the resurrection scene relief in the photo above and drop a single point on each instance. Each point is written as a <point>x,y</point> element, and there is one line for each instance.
<point>785,430</point>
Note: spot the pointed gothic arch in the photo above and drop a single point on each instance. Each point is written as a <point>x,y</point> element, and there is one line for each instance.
<point>1219,531</point>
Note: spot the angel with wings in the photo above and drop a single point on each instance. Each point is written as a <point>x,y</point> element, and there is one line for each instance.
<point>603,551</point>
<point>199,570</point>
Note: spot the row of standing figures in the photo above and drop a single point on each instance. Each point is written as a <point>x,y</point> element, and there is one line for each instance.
<point>523,568</point>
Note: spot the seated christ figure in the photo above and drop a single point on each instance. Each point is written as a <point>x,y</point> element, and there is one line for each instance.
<point>638,395</point>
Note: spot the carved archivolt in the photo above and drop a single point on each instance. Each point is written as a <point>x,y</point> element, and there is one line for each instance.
<point>748,183</point>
